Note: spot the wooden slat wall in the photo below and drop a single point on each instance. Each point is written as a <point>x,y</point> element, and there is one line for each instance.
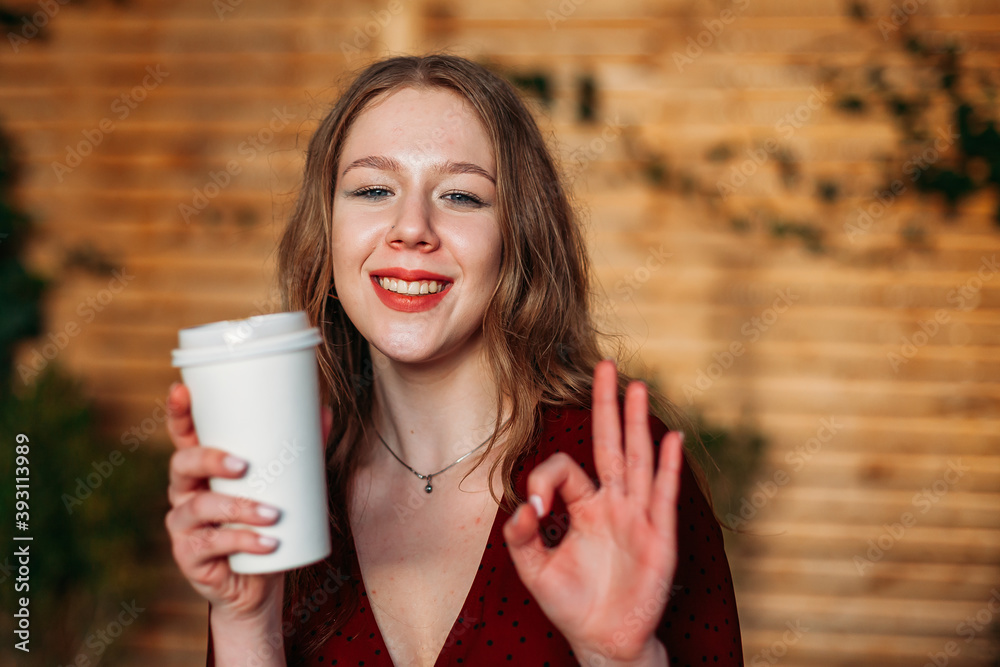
<point>825,358</point>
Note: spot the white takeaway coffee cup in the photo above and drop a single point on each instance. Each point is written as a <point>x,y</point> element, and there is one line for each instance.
<point>254,388</point>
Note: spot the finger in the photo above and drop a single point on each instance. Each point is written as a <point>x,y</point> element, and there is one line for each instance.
<point>667,484</point>
<point>527,550</point>
<point>559,473</point>
<point>607,427</point>
<point>209,508</point>
<point>638,445</point>
<point>180,425</point>
<point>191,467</point>
<point>198,548</point>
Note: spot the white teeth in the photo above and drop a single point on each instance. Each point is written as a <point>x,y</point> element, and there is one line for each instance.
<point>411,288</point>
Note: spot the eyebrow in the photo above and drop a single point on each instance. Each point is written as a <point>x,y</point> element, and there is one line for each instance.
<point>389,164</point>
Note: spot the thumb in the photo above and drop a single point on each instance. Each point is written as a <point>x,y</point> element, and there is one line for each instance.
<point>527,550</point>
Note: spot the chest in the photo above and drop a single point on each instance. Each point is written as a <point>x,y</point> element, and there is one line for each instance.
<point>419,554</point>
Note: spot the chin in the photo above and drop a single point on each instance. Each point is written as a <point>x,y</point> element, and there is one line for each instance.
<point>406,348</point>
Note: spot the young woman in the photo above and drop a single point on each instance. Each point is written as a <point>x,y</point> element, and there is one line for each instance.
<point>434,246</point>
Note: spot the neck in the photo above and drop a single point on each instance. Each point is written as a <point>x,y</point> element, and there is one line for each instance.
<point>433,413</point>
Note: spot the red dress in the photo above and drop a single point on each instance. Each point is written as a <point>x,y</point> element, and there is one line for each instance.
<point>501,624</point>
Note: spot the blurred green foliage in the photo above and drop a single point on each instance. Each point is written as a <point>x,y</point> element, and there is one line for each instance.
<point>729,457</point>
<point>735,458</point>
<point>947,146</point>
<point>92,523</point>
<point>94,510</point>
<point>944,83</point>
<point>20,291</point>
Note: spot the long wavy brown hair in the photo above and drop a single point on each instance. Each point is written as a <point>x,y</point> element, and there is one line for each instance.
<point>539,333</point>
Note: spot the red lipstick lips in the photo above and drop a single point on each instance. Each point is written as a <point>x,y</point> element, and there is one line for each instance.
<point>404,302</point>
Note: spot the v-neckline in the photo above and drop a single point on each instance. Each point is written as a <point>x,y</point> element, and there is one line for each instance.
<point>380,640</point>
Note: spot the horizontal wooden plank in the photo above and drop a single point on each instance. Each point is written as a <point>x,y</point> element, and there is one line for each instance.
<point>864,507</point>
<point>917,543</point>
<point>858,649</point>
<point>880,615</point>
<point>830,578</point>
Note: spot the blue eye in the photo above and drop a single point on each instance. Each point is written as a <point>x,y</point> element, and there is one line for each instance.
<point>464,198</point>
<point>374,192</point>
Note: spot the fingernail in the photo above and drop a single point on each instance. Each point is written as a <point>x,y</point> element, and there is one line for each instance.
<point>681,435</point>
<point>536,502</point>
<point>265,541</point>
<point>268,512</point>
<point>235,464</point>
<point>170,389</point>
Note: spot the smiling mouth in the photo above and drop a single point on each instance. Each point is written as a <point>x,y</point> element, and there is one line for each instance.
<point>412,288</point>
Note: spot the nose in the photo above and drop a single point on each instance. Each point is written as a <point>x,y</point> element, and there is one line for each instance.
<point>414,224</point>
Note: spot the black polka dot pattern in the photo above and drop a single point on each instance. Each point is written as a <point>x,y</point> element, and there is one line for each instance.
<point>500,623</point>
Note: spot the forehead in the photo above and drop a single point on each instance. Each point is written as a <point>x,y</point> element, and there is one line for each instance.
<point>416,124</point>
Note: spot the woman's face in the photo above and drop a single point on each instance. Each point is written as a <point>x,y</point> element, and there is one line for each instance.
<point>415,201</point>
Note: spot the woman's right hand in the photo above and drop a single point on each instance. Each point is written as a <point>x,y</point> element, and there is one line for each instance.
<point>200,546</point>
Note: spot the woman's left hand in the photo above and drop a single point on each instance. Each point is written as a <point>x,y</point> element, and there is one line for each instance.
<point>606,584</point>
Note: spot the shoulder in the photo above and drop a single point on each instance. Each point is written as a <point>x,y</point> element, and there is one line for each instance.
<point>570,430</point>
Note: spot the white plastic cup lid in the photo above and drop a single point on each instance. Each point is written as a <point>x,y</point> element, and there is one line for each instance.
<point>238,339</point>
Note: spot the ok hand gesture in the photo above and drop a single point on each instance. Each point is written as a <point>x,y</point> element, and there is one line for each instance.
<point>616,563</point>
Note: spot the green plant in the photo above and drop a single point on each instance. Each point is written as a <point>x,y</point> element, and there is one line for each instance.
<point>92,511</point>
<point>735,457</point>
<point>92,515</point>
<point>20,290</point>
<point>937,83</point>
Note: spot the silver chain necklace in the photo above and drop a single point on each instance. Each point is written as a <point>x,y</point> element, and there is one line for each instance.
<point>427,488</point>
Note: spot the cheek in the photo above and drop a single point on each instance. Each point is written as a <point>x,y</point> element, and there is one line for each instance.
<point>350,244</point>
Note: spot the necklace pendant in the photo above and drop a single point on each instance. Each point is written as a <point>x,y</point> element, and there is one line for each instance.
<point>428,488</point>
